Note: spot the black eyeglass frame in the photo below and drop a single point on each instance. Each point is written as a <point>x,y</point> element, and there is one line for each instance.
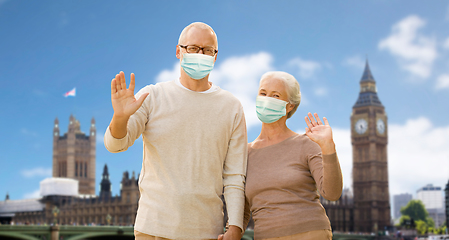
<point>199,48</point>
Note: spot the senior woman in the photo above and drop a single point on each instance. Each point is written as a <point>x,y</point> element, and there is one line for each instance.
<point>285,169</point>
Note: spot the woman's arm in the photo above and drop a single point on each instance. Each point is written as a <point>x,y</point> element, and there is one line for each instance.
<point>324,167</point>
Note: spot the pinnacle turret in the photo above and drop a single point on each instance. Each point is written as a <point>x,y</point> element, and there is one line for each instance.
<point>368,90</point>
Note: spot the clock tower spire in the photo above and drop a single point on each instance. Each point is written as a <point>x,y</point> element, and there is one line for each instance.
<point>369,139</point>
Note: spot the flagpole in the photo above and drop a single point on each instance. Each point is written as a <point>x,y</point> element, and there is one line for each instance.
<point>74,104</point>
<point>72,93</point>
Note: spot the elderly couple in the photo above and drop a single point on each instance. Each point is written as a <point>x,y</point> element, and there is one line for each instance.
<point>195,150</point>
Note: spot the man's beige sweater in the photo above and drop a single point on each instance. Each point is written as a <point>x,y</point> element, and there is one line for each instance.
<point>194,144</point>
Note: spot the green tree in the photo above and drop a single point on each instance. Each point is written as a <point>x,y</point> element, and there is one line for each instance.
<point>404,221</point>
<point>421,227</point>
<point>443,229</point>
<point>415,209</point>
<point>430,222</point>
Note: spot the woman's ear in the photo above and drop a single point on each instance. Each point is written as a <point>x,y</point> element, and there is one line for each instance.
<point>289,107</point>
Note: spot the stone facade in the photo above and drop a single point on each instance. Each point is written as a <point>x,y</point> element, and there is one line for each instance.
<point>102,210</point>
<point>74,155</point>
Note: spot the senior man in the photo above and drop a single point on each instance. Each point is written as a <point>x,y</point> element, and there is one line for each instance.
<point>194,146</point>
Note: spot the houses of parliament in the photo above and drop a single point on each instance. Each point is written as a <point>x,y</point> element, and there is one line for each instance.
<point>366,210</point>
<point>74,163</point>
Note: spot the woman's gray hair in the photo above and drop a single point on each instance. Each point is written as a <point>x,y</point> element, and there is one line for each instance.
<point>199,25</point>
<point>292,87</point>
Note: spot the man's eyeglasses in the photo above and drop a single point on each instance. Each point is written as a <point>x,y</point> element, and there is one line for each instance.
<point>195,49</point>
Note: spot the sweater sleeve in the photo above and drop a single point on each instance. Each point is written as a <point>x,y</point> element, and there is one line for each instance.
<point>326,171</point>
<point>234,171</point>
<point>246,214</point>
<point>135,127</point>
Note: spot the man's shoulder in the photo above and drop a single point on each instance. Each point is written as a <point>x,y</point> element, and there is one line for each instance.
<point>228,96</point>
<point>157,86</point>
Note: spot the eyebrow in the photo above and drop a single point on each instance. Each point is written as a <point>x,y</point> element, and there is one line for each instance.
<point>273,91</point>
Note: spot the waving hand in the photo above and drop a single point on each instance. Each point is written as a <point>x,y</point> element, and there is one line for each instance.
<point>123,100</point>
<point>320,133</point>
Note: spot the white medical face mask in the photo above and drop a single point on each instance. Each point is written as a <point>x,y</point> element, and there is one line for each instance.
<point>270,109</point>
<point>196,65</point>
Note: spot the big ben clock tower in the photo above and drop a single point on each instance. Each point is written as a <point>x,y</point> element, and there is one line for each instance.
<point>369,136</point>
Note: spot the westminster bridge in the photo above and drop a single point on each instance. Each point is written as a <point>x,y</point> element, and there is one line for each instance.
<point>66,232</point>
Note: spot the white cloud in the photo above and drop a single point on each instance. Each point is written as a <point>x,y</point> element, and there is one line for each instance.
<point>418,154</point>
<point>39,172</point>
<point>342,139</point>
<point>307,69</point>
<point>239,75</point>
<point>354,61</point>
<point>415,52</point>
<point>169,75</point>
<point>30,195</point>
<point>304,99</point>
<point>442,82</point>
<point>320,91</point>
<point>27,132</point>
<point>446,44</point>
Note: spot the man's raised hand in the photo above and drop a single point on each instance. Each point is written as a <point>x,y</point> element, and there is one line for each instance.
<point>123,101</point>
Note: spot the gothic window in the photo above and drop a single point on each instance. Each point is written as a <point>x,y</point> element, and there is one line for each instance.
<point>81,169</point>
<point>76,169</point>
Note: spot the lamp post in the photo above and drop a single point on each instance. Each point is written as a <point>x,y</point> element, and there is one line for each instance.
<point>55,212</point>
<point>108,219</point>
<point>446,190</point>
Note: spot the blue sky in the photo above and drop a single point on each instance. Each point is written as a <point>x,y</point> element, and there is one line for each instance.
<point>50,47</point>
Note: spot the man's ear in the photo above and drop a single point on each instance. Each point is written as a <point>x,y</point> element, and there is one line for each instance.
<point>178,52</point>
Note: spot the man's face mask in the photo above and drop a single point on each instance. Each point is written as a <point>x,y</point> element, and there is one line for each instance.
<point>196,65</point>
<point>270,109</point>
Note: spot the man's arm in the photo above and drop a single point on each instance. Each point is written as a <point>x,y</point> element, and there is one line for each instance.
<point>124,104</point>
<point>234,173</point>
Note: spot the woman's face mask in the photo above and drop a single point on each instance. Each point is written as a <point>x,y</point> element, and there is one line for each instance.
<point>270,109</point>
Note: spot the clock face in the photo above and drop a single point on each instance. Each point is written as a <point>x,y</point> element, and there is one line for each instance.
<point>361,126</point>
<point>380,125</point>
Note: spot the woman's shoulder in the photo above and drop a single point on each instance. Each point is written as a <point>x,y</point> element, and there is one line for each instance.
<point>298,142</point>
<point>263,145</point>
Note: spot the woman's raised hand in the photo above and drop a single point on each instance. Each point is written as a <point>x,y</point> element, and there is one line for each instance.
<point>122,98</point>
<point>320,133</point>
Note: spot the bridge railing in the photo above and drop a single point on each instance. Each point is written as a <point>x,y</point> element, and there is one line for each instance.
<point>69,232</point>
